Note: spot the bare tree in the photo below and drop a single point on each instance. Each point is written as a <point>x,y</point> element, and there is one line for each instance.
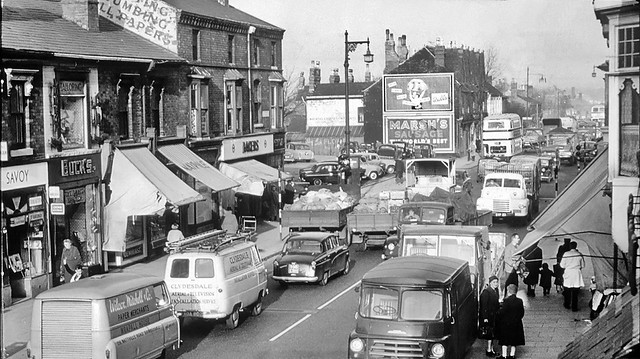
<point>292,102</point>
<point>492,66</point>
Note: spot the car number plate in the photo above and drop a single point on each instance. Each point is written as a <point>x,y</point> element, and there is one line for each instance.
<point>193,313</point>
<point>500,214</point>
<point>294,268</point>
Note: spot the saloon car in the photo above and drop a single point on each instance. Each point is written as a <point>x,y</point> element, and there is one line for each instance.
<point>387,164</point>
<point>311,257</point>
<point>298,151</point>
<point>322,172</point>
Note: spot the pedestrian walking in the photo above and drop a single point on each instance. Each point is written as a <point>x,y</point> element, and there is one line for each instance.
<point>545,279</point>
<point>489,307</point>
<point>69,261</point>
<point>399,168</point>
<point>533,257</point>
<point>175,234</point>
<point>557,269</point>
<point>510,264</point>
<point>572,262</point>
<point>509,327</point>
<point>230,221</point>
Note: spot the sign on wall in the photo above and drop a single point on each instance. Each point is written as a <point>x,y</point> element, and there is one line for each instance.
<point>245,147</point>
<point>436,130</point>
<point>154,20</point>
<point>23,176</point>
<point>418,92</point>
<point>330,112</point>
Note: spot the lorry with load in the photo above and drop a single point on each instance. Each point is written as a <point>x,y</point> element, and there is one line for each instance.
<point>423,175</point>
<point>511,189</point>
<point>322,208</point>
<point>370,226</point>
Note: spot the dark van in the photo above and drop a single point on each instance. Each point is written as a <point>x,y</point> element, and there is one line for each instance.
<point>415,307</point>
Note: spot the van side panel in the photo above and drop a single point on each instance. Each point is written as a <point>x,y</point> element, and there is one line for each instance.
<point>241,278</point>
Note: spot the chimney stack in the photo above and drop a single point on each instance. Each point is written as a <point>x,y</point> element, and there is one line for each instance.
<point>367,74</point>
<point>514,88</point>
<point>83,13</point>
<point>334,78</point>
<point>402,51</point>
<point>439,52</point>
<point>391,58</point>
<point>301,82</point>
<point>314,75</point>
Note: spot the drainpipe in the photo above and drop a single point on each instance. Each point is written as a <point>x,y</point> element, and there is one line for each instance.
<point>252,30</point>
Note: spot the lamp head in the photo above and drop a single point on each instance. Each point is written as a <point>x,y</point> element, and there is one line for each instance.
<point>368,57</point>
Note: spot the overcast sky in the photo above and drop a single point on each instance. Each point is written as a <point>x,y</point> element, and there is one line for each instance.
<point>560,39</point>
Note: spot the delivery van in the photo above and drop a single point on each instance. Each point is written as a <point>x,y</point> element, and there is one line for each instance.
<point>415,307</point>
<point>116,315</point>
<point>213,275</point>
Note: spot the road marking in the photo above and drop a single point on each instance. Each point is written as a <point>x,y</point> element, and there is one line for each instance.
<point>309,315</point>
<point>290,327</point>
<point>338,296</point>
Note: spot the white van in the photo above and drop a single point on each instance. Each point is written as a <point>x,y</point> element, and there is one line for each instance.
<point>117,315</point>
<point>215,276</point>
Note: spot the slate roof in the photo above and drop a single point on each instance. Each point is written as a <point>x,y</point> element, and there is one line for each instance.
<point>212,9</point>
<point>492,90</point>
<point>337,89</point>
<point>38,26</point>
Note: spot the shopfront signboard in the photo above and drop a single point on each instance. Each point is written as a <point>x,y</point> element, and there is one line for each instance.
<point>246,147</point>
<point>23,176</point>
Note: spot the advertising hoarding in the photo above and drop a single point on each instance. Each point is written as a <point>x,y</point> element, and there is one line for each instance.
<point>433,129</point>
<point>418,92</point>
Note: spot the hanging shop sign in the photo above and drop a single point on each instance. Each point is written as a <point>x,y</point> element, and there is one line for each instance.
<point>23,176</point>
<point>57,209</point>
<point>278,141</point>
<point>75,195</point>
<point>244,147</point>
<point>71,88</point>
<point>74,168</point>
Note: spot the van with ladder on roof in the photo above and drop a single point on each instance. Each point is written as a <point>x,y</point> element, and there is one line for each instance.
<point>215,275</point>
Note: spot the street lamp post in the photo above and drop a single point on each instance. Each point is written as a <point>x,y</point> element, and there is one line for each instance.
<point>542,78</point>
<point>350,46</point>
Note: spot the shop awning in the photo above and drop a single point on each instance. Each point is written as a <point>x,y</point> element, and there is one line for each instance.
<point>140,185</point>
<point>252,175</point>
<point>196,167</point>
<point>334,131</point>
<point>581,212</point>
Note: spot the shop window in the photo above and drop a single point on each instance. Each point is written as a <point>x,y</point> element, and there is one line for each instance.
<point>195,45</point>
<point>255,55</point>
<point>199,108</point>
<point>231,49</point>
<point>233,104</point>
<point>277,106</point>
<point>629,47</point>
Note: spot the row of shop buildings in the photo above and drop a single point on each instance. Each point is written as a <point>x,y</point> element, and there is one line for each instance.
<point>121,118</point>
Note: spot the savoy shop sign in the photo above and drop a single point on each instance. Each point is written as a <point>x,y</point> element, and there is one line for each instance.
<point>74,168</point>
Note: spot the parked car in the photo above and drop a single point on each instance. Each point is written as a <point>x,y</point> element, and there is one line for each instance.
<point>567,154</point>
<point>389,151</point>
<point>288,155</point>
<point>370,170</point>
<point>322,172</point>
<point>311,257</point>
<point>299,151</point>
<point>588,150</point>
<point>388,165</point>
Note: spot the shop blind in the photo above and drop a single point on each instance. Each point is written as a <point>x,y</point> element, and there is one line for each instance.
<point>66,330</point>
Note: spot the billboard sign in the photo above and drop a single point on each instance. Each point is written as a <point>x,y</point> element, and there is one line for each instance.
<point>436,130</point>
<point>418,92</point>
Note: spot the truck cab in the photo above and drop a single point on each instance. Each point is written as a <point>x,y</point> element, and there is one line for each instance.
<point>506,195</point>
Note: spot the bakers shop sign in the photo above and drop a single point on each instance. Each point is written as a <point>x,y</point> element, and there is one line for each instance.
<point>236,148</point>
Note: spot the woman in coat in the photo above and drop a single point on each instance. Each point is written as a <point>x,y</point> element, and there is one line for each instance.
<point>533,258</point>
<point>510,330</point>
<point>489,307</point>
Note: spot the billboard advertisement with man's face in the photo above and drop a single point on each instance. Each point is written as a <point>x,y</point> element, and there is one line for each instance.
<point>436,130</point>
<point>418,92</point>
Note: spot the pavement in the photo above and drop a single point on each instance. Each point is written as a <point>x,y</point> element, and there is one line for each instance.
<point>548,325</point>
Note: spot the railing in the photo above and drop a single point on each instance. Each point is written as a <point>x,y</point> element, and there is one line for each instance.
<point>210,240</point>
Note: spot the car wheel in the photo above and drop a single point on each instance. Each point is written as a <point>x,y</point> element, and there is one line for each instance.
<point>373,175</point>
<point>347,267</point>
<point>325,279</point>
<point>317,181</point>
<point>234,318</point>
<point>362,246</point>
<point>391,169</point>
<point>256,310</point>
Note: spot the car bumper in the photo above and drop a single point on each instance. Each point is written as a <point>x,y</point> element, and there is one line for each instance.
<point>295,279</point>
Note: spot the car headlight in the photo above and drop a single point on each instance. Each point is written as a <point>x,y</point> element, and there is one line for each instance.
<point>276,264</point>
<point>522,206</point>
<point>313,266</point>
<point>356,345</point>
<point>437,350</point>
<point>391,246</point>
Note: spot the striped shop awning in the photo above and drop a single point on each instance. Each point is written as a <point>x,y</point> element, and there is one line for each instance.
<point>334,131</point>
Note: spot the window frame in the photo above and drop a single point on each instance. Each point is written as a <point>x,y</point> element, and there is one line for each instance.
<point>255,52</point>
<point>628,59</point>
<point>196,36</point>
<point>276,104</point>
<point>231,49</point>
<point>233,107</point>
<point>199,104</point>
<point>274,53</point>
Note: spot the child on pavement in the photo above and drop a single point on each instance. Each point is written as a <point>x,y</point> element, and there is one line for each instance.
<point>545,279</point>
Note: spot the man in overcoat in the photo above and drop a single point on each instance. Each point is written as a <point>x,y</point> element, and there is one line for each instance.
<point>509,327</point>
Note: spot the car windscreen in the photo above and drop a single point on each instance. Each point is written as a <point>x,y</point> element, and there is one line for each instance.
<point>420,245</point>
<point>379,302</point>
<point>410,214</point>
<point>433,215</point>
<point>303,246</point>
<point>421,305</point>
<point>302,146</point>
